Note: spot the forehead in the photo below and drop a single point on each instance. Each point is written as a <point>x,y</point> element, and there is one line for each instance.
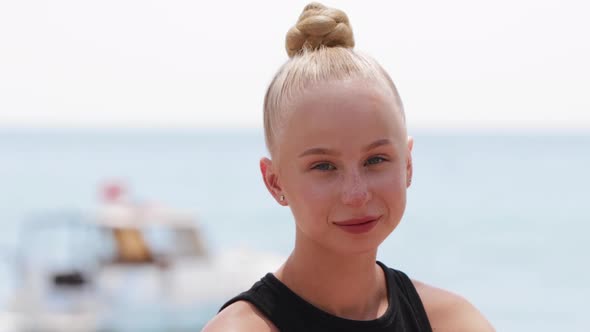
<point>346,113</point>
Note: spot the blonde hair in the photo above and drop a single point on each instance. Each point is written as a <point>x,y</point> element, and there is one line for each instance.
<point>320,48</point>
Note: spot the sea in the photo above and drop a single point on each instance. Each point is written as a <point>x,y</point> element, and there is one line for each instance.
<point>502,218</point>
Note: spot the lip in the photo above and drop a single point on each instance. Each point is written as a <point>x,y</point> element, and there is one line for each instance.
<point>358,225</point>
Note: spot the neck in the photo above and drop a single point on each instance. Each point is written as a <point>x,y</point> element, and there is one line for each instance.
<point>350,286</point>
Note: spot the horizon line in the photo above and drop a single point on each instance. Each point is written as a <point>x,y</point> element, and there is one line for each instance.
<point>213,129</point>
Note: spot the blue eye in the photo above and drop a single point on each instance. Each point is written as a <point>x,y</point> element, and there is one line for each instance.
<point>324,167</point>
<point>375,160</point>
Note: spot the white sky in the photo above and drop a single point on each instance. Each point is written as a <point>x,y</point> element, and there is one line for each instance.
<point>187,63</point>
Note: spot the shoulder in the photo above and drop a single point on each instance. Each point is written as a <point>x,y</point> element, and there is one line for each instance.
<point>240,316</point>
<point>448,312</point>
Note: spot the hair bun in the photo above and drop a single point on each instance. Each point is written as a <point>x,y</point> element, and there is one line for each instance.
<point>317,26</point>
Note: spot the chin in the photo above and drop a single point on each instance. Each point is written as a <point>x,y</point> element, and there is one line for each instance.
<point>361,251</point>
<point>360,246</point>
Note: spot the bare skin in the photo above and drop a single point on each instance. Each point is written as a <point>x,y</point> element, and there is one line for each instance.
<point>343,154</point>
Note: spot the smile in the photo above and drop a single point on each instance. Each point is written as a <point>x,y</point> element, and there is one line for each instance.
<point>358,226</point>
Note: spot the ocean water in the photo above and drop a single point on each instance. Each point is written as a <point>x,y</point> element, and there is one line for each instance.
<point>502,219</point>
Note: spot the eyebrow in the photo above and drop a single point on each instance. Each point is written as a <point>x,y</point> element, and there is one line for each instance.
<point>378,143</point>
<point>325,151</point>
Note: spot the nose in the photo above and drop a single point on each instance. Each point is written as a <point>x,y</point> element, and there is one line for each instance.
<point>355,190</point>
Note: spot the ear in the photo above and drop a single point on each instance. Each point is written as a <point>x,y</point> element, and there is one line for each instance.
<point>409,164</point>
<point>271,180</point>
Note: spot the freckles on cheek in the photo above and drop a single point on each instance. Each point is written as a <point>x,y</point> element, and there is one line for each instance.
<point>389,182</point>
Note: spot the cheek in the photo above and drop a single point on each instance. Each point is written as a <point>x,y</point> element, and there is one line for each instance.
<point>315,193</point>
<point>391,180</point>
<point>311,198</point>
<point>391,187</point>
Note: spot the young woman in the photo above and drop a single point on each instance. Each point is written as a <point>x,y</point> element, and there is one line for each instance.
<point>341,160</point>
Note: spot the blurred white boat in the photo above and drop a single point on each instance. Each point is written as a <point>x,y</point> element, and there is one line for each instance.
<point>128,265</point>
<point>167,249</point>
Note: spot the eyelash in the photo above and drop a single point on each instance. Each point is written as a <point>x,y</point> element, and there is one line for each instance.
<point>377,157</point>
<point>318,166</point>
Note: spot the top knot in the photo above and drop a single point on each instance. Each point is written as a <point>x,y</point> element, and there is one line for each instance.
<point>317,26</point>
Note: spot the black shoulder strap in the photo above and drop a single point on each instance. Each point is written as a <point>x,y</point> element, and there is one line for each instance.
<point>271,304</point>
<point>411,294</point>
<point>252,296</point>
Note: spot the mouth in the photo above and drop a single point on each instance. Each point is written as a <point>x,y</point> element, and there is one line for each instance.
<point>358,225</point>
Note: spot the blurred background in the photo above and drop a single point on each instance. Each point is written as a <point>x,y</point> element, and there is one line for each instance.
<point>130,134</point>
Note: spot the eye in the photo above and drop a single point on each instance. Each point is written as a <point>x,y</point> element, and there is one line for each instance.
<point>375,160</point>
<point>324,167</point>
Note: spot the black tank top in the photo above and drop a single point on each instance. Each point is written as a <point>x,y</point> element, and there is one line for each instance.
<point>290,313</point>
